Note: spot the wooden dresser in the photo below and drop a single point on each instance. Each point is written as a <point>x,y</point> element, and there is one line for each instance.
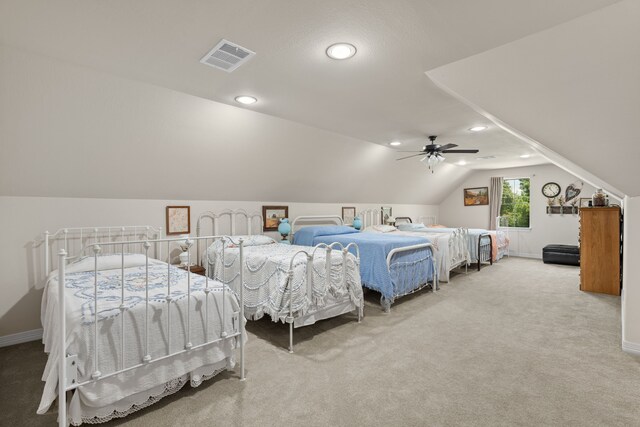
<point>600,250</point>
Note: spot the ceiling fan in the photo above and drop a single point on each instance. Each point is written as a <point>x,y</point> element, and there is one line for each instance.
<point>433,153</point>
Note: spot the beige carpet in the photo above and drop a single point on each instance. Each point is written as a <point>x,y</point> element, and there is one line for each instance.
<point>514,344</point>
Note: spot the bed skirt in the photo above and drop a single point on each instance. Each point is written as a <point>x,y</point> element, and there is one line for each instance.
<point>80,413</point>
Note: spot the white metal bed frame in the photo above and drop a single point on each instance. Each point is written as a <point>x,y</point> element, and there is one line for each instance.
<point>364,216</point>
<point>502,225</point>
<point>310,255</point>
<point>458,247</point>
<point>484,248</point>
<point>68,363</point>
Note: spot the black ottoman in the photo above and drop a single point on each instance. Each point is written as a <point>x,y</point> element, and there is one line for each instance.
<point>561,254</point>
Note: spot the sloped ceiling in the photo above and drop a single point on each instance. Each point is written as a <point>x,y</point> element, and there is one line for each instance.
<point>69,131</point>
<point>380,95</point>
<point>574,88</point>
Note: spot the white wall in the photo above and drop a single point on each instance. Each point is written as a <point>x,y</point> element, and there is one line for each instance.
<point>26,218</point>
<point>545,229</point>
<point>630,278</point>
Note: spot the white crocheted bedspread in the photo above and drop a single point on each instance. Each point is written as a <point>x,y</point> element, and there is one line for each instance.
<point>123,391</point>
<point>266,288</point>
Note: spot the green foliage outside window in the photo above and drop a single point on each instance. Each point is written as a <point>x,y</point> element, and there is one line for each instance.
<point>516,201</point>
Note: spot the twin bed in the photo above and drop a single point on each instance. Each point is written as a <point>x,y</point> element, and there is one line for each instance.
<point>393,266</point>
<point>292,284</point>
<point>124,329</point>
<point>450,249</point>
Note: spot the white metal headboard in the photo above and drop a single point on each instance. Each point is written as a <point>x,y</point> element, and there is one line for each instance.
<point>428,219</point>
<point>370,217</point>
<point>309,220</point>
<point>74,240</point>
<point>232,214</point>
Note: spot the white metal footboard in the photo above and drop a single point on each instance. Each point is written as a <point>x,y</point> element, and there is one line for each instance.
<point>67,364</point>
<point>485,249</point>
<point>503,227</point>
<point>310,282</point>
<point>457,245</point>
<point>396,251</point>
<point>458,249</point>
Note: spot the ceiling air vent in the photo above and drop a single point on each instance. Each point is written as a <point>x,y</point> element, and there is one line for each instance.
<point>486,157</point>
<point>227,56</point>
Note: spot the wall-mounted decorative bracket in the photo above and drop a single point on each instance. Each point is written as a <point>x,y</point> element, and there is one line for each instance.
<point>563,210</point>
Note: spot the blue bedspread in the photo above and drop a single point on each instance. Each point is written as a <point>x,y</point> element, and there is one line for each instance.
<point>409,270</point>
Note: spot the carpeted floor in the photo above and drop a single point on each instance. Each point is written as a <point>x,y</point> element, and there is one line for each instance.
<point>514,344</point>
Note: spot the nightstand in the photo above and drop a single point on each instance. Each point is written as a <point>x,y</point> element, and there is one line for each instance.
<point>195,269</point>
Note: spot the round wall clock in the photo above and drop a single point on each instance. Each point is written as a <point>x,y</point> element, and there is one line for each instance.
<point>551,189</point>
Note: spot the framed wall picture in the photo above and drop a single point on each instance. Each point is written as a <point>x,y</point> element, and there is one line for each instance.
<point>386,213</point>
<point>477,196</point>
<point>584,202</point>
<point>271,215</point>
<point>348,214</point>
<point>178,220</point>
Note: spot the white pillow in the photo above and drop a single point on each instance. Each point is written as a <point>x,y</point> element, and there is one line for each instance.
<point>105,262</point>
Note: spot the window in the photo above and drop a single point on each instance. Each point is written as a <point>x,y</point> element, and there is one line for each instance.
<point>515,202</point>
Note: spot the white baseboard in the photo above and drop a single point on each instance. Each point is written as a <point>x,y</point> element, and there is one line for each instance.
<point>525,255</point>
<point>631,347</point>
<point>21,337</point>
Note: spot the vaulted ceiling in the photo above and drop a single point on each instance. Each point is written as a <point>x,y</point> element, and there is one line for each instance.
<point>572,89</point>
<point>380,95</point>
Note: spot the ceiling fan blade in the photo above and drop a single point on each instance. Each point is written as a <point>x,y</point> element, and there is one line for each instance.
<point>461,151</point>
<point>413,151</point>
<point>413,155</point>
<point>446,147</point>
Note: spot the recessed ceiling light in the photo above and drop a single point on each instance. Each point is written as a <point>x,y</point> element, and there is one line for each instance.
<point>341,51</point>
<point>246,100</point>
<point>477,128</point>
<point>525,156</point>
<point>462,163</point>
<point>395,143</point>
